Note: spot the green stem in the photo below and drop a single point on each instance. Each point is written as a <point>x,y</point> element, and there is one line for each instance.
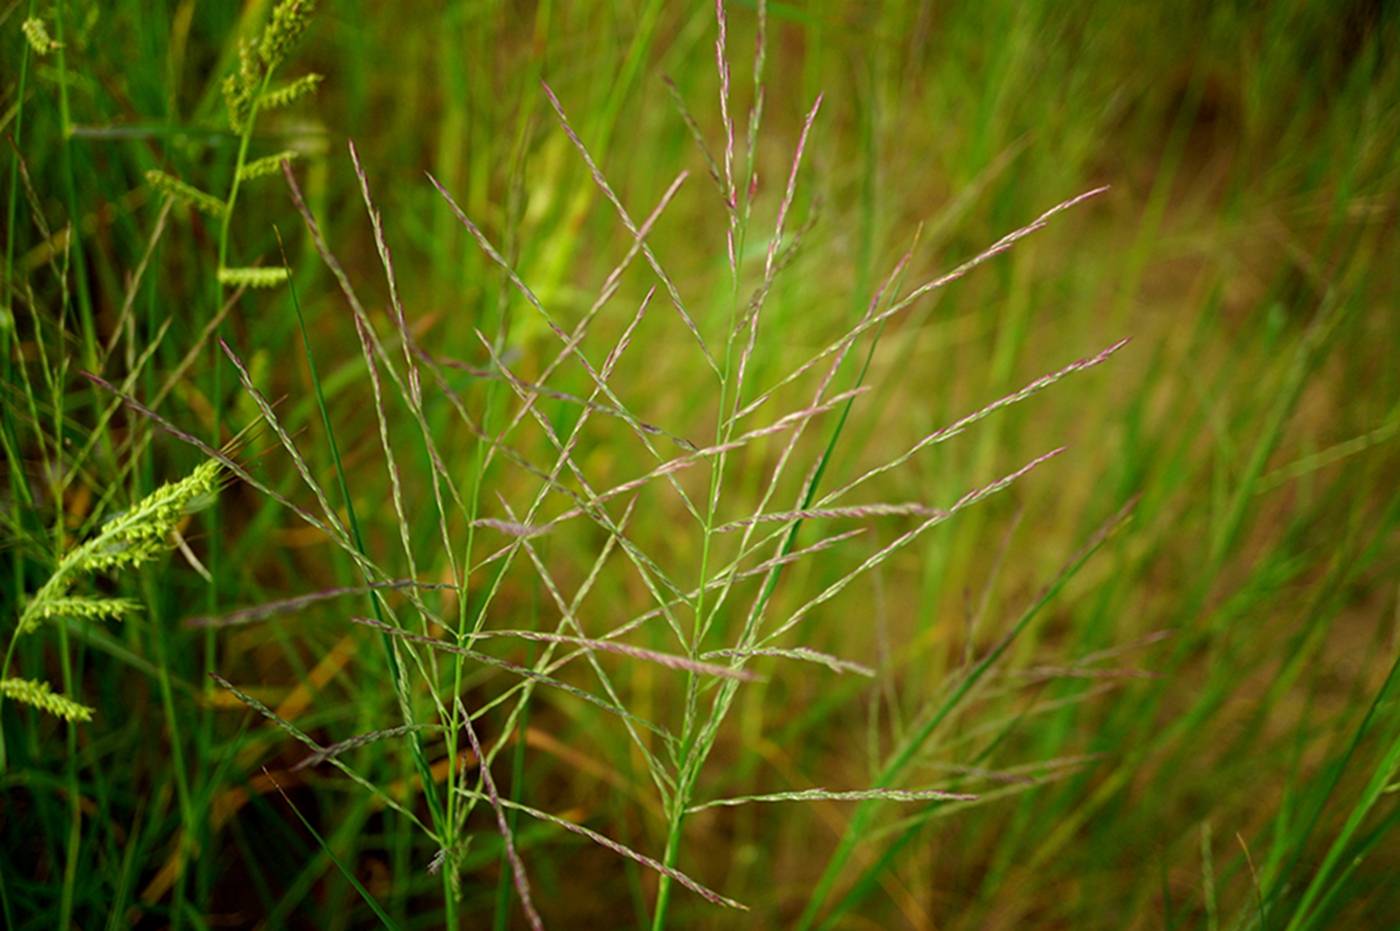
<point>71,191</point>
<point>19,491</point>
<point>205,732</point>
<point>75,812</point>
<point>693,756</point>
<point>376,603</point>
<point>673,843</point>
<point>57,493</point>
<point>463,639</point>
<point>4,669</point>
<point>177,753</point>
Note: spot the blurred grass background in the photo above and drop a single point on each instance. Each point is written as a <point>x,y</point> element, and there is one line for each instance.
<point>1215,672</point>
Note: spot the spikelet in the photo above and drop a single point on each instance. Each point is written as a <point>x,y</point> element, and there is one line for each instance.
<point>42,697</point>
<point>172,186</point>
<point>261,167</point>
<point>240,87</point>
<point>95,609</point>
<point>265,277</point>
<point>131,537</point>
<point>258,60</point>
<point>155,516</point>
<point>289,20</point>
<point>292,91</point>
<point>38,35</point>
<point>135,535</point>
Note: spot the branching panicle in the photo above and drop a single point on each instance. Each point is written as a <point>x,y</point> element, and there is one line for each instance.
<point>676,761</point>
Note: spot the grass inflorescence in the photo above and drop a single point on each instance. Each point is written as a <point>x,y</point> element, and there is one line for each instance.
<point>698,466</point>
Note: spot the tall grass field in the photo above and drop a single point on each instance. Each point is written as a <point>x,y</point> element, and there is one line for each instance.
<point>813,465</point>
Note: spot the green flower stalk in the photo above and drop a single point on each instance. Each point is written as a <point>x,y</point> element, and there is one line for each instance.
<point>248,91</point>
<point>246,88</point>
<point>132,537</point>
<point>136,535</point>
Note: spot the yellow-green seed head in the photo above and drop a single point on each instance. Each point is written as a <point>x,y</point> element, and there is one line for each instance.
<point>39,695</point>
<point>38,36</point>
<point>291,92</point>
<point>241,85</point>
<point>289,20</point>
<point>172,186</point>
<point>268,277</point>
<point>94,609</point>
<point>134,536</point>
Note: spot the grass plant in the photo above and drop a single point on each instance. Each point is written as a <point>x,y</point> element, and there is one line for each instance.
<point>734,465</point>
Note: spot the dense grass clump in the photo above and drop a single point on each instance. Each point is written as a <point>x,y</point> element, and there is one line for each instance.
<point>767,466</point>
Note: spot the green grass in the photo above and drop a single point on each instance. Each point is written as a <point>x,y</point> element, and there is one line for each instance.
<point>1162,662</point>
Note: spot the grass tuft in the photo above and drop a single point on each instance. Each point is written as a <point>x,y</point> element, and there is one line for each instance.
<point>531,537</point>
